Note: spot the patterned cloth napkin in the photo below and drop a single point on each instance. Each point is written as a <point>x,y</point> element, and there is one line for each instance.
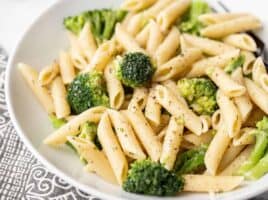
<point>22,176</point>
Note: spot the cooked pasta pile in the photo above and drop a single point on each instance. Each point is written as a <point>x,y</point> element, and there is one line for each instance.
<point>165,84</point>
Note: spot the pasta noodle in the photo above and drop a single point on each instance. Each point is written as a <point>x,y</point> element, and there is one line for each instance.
<point>58,93</point>
<point>71,128</point>
<point>199,68</point>
<point>167,49</point>
<point>96,160</point>
<point>245,137</point>
<point>66,67</point>
<point>143,36</point>
<point>198,140</point>
<point>178,109</point>
<point>205,183</point>
<point>257,95</point>
<point>126,136</point>
<point>225,82</point>
<point>137,5</point>
<point>216,119</point>
<point>249,61</point>
<point>114,88</point>
<point>87,42</point>
<point>153,11</point>
<point>230,114</point>
<point>139,98</point>
<point>155,38</point>
<point>47,74</point>
<point>177,65</point>
<point>243,102</point>
<point>152,109</point>
<point>171,144</point>
<point>144,132</point>
<point>237,25</point>
<point>171,13</point>
<point>215,18</point>
<point>241,41</point>
<point>216,150</point>
<point>208,46</point>
<point>112,149</point>
<point>42,94</point>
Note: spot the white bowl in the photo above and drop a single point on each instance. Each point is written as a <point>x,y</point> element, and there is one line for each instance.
<point>38,46</point>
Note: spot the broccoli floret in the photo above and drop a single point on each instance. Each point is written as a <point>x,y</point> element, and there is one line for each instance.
<point>200,94</point>
<point>87,90</point>
<point>190,161</point>
<point>150,178</point>
<point>89,132</point>
<point>190,23</point>
<point>234,64</point>
<point>102,22</point>
<point>134,69</point>
<point>56,123</point>
<point>256,165</point>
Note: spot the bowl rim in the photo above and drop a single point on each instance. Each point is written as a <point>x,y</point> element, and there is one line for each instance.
<point>50,167</point>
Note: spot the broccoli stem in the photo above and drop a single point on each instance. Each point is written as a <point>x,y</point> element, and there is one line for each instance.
<point>259,169</point>
<point>257,153</point>
<point>56,123</point>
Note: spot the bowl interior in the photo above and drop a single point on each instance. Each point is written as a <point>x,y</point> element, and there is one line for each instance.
<point>38,47</point>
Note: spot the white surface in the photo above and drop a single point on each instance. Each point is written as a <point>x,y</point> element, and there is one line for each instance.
<point>38,47</point>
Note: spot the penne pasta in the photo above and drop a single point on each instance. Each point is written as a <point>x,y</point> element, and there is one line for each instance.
<point>172,141</point>
<point>199,68</point>
<point>102,56</point>
<point>136,23</point>
<point>160,5</point>
<point>227,85</point>
<point>230,114</point>
<point>87,42</point>
<point>216,18</point>
<point>249,61</point>
<point>126,40</point>
<point>126,136</point>
<point>241,41</point>
<point>155,38</point>
<point>177,65</point>
<point>178,109</point>
<point>241,24</point>
<point>114,87</point>
<point>205,183</point>
<point>112,149</point>
<point>137,5</point>
<point>71,128</point>
<point>66,67</point>
<point>143,35</point>
<point>245,137</point>
<point>207,46</point>
<point>198,140</point>
<point>41,93</point>
<point>258,71</point>
<point>232,168</point>
<point>47,74</point>
<point>144,132</point>
<point>153,109</point>
<point>96,160</point>
<point>167,49</point>
<point>59,96</point>
<point>139,98</point>
<point>230,154</point>
<point>243,102</point>
<point>216,119</point>
<point>171,13</point>
<point>216,150</point>
<point>257,95</point>
<point>76,53</point>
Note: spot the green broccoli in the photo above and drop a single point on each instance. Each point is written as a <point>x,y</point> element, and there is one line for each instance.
<point>190,23</point>
<point>87,90</point>
<point>89,132</point>
<point>234,64</point>
<point>200,94</point>
<point>256,165</point>
<point>190,161</point>
<point>102,22</point>
<point>56,123</point>
<point>134,69</point>
<point>150,178</point>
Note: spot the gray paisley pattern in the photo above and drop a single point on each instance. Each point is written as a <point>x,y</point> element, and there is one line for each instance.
<point>21,175</point>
